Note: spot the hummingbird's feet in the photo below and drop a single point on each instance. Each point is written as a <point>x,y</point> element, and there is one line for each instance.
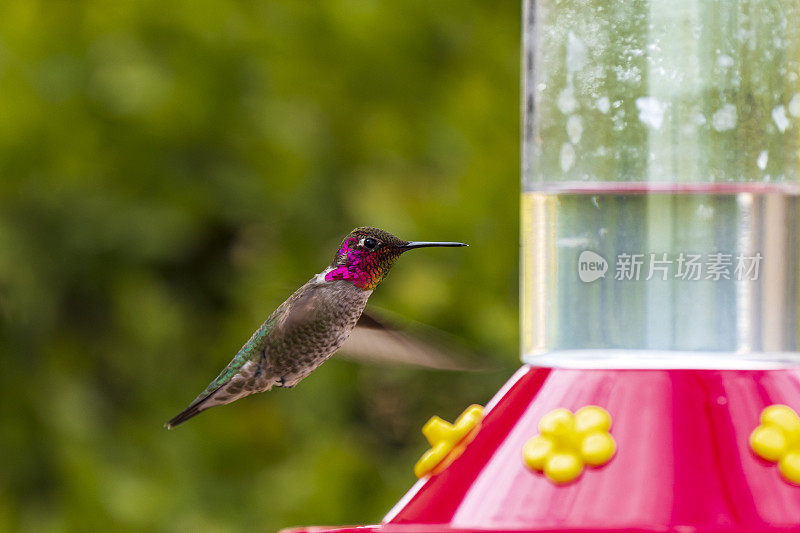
<point>282,383</point>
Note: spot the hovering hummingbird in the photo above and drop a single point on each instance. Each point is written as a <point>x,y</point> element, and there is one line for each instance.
<point>314,322</point>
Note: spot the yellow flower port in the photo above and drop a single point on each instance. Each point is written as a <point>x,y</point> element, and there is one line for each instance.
<point>566,442</point>
<point>777,440</point>
<point>444,436</point>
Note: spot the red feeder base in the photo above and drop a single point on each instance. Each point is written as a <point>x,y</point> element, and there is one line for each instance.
<point>683,461</point>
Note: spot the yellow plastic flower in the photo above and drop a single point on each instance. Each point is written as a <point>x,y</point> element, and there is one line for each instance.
<point>566,442</point>
<point>444,437</point>
<point>777,439</point>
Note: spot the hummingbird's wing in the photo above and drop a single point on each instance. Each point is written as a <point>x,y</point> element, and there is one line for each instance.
<point>374,340</point>
<point>251,371</point>
<point>235,381</point>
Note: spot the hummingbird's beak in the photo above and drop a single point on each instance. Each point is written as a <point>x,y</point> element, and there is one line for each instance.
<point>423,244</point>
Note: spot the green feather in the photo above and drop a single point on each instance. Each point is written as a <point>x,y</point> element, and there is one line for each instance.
<point>251,351</point>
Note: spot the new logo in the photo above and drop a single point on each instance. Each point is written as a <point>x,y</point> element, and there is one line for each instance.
<point>591,266</point>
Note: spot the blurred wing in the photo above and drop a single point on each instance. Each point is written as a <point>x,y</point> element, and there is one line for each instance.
<point>374,341</point>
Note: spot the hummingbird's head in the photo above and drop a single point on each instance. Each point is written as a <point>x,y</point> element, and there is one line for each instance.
<point>367,254</point>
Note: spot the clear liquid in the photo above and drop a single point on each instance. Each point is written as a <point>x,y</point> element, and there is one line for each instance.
<point>624,275</point>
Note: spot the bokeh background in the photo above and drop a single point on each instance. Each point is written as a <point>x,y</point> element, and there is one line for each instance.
<point>170,171</point>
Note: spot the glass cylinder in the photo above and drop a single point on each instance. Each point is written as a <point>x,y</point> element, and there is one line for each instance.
<point>660,183</point>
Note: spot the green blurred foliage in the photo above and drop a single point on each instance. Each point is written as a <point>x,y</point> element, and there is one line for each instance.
<point>169,173</point>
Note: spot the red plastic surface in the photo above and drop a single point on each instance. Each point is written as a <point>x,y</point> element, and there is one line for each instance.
<point>683,461</point>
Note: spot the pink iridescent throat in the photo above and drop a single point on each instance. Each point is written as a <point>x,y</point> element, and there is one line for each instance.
<point>361,267</point>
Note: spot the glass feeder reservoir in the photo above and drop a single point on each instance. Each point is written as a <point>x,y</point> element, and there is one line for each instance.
<point>660,183</point>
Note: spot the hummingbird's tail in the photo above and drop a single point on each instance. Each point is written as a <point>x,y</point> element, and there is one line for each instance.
<point>240,378</point>
<point>200,404</point>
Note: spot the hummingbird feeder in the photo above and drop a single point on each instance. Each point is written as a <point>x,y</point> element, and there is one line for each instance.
<point>659,284</point>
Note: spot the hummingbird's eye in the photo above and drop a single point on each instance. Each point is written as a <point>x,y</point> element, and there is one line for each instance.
<point>370,243</point>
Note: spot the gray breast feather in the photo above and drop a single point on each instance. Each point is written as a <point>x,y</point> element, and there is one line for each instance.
<point>310,326</point>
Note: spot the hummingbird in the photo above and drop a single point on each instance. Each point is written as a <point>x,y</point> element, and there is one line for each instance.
<point>312,324</point>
